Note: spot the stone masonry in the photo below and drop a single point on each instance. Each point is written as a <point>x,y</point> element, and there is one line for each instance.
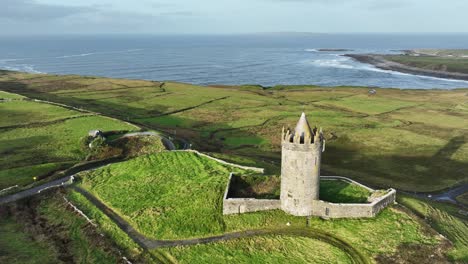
<point>300,182</point>
<point>300,168</point>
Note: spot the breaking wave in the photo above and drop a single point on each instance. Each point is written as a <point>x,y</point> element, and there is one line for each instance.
<point>95,53</point>
<point>341,62</point>
<point>22,68</point>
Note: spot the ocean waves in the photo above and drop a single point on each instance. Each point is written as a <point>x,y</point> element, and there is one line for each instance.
<point>218,61</point>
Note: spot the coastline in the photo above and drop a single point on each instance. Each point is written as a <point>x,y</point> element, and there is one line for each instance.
<point>380,62</point>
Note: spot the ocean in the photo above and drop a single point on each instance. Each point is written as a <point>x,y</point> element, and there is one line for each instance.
<point>265,59</point>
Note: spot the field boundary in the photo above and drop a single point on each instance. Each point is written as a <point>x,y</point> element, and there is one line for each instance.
<point>256,169</point>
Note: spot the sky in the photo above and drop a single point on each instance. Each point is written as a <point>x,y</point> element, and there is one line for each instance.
<point>26,17</point>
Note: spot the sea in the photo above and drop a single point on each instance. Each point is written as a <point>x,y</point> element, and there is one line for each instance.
<point>264,59</point>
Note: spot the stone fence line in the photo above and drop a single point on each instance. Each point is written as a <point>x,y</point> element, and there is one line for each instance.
<point>320,208</point>
<point>259,170</point>
<point>347,180</point>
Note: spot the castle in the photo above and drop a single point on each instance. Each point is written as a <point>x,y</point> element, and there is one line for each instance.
<point>301,156</point>
<point>300,167</point>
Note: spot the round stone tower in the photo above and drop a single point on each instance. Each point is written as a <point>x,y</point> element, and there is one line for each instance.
<point>300,167</point>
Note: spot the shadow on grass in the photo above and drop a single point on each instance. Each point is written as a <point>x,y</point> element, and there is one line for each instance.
<point>411,173</point>
<point>416,253</point>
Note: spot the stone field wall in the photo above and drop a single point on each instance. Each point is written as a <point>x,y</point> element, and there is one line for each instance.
<point>319,208</point>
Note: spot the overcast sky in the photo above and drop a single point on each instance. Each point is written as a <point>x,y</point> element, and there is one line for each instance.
<point>231,16</point>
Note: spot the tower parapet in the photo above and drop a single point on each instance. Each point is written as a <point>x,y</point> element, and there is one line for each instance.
<point>300,168</point>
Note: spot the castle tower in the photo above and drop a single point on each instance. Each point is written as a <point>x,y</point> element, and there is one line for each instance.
<point>300,167</point>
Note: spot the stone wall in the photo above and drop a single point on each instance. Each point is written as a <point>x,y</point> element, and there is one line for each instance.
<point>259,170</point>
<point>343,210</point>
<point>341,178</point>
<point>245,205</point>
<point>382,202</point>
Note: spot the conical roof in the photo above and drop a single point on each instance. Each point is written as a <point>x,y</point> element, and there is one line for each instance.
<point>303,128</point>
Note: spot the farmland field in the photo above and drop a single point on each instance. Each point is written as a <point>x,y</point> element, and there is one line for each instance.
<point>37,138</point>
<point>407,139</point>
<point>396,138</point>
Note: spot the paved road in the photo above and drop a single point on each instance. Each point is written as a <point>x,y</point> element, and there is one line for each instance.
<point>36,190</point>
<point>448,196</point>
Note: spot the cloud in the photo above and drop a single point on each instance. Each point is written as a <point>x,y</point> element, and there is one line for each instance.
<point>388,4</point>
<point>30,10</point>
<point>178,13</point>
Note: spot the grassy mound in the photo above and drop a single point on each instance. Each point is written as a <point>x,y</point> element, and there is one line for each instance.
<point>125,146</point>
<point>165,195</point>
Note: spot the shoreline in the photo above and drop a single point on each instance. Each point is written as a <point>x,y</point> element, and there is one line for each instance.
<point>380,62</point>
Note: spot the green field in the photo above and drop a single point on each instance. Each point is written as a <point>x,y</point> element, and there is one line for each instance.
<point>50,232</point>
<point>463,199</point>
<point>445,219</point>
<point>268,249</point>
<point>18,246</point>
<point>342,192</point>
<point>441,63</point>
<point>178,195</point>
<point>408,139</point>
<point>397,138</point>
<point>37,139</point>
<point>141,190</point>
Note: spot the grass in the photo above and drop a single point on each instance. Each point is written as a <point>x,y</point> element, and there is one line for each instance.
<point>342,192</point>
<point>265,249</point>
<point>378,239</point>
<point>17,246</point>
<point>43,138</point>
<point>131,250</point>
<point>463,198</point>
<point>24,175</point>
<point>24,112</point>
<point>449,64</point>
<point>397,138</point>
<point>361,103</point>
<point>444,219</point>
<point>82,248</point>
<point>141,190</point>
<point>175,195</point>
<point>6,95</point>
<point>368,137</point>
